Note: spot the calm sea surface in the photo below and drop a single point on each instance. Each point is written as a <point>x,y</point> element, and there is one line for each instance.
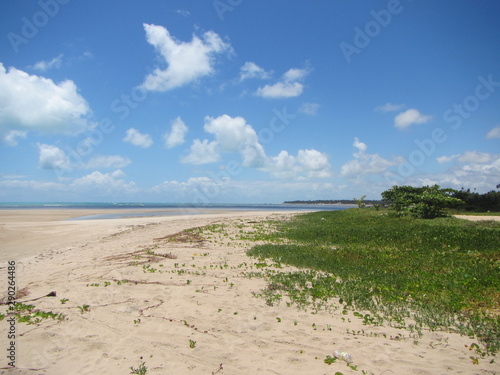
<point>170,208</point>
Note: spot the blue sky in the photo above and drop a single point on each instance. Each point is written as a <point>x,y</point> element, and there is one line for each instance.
<point>246,101</point>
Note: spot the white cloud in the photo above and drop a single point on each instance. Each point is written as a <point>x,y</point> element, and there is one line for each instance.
<point>283,166</point>
<point>95,185</point>
<point>471,169</point>
<point>52,157</point>
<point>104,183</point>
<point>31,186</point>
<point>230,132</point>
<point>364,164</point>
<point>10,138</point>
<point>362,147</point>
<point>389,107</point>
<point>34,103</point>
<point>314,163</point>
<point>494,133</point>
<point>137,139</point>
<point>295,74</point>
<point>446,159</point>
<point>252,70</point>
<point>43,66</point>
<point>189,186</point>
<point>186,61</point>
<point>111,161</point>
<point>177,133</point>
<point>202,152</point>
<point>476,157</point>
<point>468,157</point>
<point>281,90</point>
<point>409,117</point>
<point>307,164</point>
<point>309,108</point>
<point>233,134</point>
<point>288,86</point>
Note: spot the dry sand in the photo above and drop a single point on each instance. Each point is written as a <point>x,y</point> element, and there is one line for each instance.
<point>202,296</point>
<point>478,217</point>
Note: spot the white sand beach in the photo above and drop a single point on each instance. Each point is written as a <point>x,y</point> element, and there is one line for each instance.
<point>194,314</point>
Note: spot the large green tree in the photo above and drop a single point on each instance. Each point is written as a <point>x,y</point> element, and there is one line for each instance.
<point>426,202</point>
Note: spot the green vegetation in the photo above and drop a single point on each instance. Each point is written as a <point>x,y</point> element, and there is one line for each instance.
<point>440,274</point>
<point>84,308</point>
<point>360,202</point>
<point>329,360</point>
<point>141,370</point>
<point>29,315</point>
<point>476,202</point>
<point>426,202</point>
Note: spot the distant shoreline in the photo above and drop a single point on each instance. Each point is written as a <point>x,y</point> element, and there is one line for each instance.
<point>336,202</point>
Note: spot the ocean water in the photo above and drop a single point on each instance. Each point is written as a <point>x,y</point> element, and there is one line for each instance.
<point>170,208</point>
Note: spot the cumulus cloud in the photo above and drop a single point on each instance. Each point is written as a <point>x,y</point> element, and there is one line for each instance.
<point>43,65</point>
<point>232,134</point>
<point>252,70</point>
<point>281,90</point>
<point>314,163</point>
<point>295,74</point>
<point>202,152</point>
<point>308,163</point>
<point>469,157</point>
<point>471,169</point>
<point>409,117</point>
<point>389,107</point>
<point>283,166</point>
<point>446,159</point>
<point>235,135</point>
<point>494,133</point>
<point>52,157</point>
<point>34,103</point>
<point>175,136</point>
<point>137,139</point>
<point>364,163</point>
<point>186,61</point>
<point>286,88</point>
<point>105,183</point>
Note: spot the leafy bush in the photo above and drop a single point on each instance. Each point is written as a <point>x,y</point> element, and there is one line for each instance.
<point>426,202</point>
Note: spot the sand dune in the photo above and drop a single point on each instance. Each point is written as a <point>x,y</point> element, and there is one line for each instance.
<point>198,293</point>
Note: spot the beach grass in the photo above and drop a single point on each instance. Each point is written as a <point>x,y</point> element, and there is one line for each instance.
<point>440,274</point>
